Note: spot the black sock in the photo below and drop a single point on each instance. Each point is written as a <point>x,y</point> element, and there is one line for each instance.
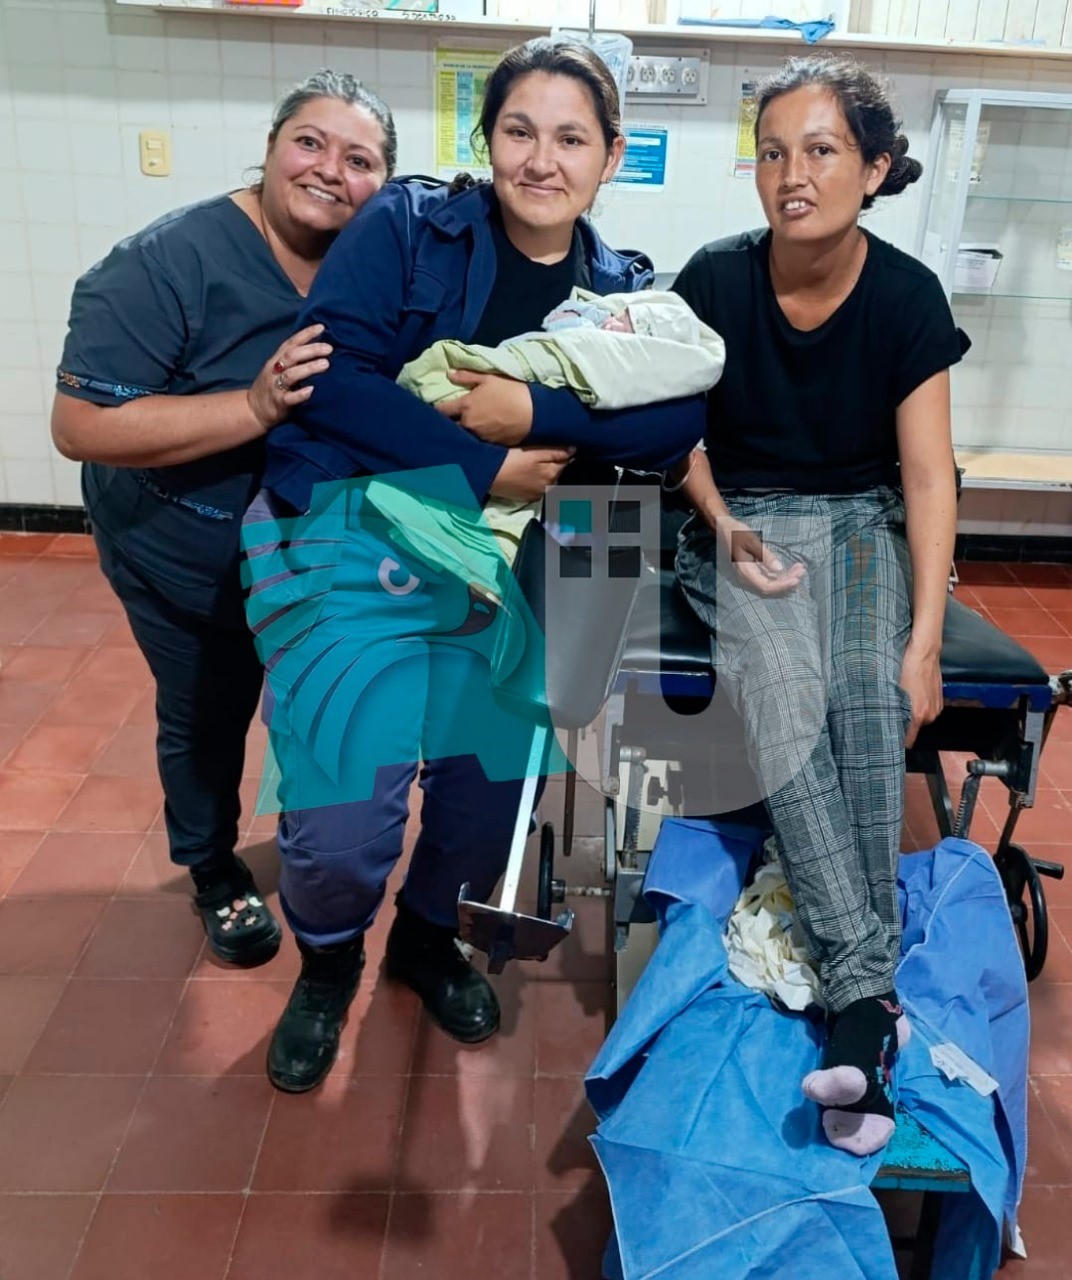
<point>864,1035</point>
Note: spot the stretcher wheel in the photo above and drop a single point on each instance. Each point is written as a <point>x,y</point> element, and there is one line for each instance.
<point>548,889</point>
<point>1027,903</point>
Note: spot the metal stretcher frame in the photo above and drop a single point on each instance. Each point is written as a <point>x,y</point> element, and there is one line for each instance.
<point>1006,727</point>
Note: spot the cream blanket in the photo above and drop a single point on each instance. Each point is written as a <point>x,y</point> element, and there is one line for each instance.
<point>670,353</point>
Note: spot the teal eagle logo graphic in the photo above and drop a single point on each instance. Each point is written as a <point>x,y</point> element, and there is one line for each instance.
<point>388,622</point>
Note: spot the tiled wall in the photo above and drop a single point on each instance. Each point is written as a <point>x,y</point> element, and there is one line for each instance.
<point>80,78</point>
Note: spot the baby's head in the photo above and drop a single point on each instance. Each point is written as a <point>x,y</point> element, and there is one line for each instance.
<point>620,323</point>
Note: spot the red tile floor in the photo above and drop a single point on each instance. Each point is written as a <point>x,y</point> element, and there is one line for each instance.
<point>138,1135</point>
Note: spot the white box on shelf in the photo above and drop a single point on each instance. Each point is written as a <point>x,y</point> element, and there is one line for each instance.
<point>976,268</point>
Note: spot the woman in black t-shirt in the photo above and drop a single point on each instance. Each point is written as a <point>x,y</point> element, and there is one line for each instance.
<point>824,527</point>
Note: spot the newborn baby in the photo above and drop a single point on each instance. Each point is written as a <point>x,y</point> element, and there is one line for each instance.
<point>614,352</point>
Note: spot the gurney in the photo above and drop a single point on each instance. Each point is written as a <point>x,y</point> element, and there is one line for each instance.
<point>645,664</point>
<point>657,761</point>
<point>999,707</point>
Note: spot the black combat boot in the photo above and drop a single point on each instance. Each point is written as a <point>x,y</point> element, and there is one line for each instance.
<point>306,1040</point>
<point>426,957</point>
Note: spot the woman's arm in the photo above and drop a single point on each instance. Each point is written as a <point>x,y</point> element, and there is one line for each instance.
<point>650,437</point>
<point>503,411</point>
<point>928,476</point>
<point>360,419</point>
<point>163,430</point>
<point>159,431</point>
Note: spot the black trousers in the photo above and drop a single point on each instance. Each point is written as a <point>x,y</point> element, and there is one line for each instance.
<point>208,684</point>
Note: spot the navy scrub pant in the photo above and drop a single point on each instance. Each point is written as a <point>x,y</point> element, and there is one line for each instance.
<point>336,853</point>
<point>208,683</point>
<point>335,859</point>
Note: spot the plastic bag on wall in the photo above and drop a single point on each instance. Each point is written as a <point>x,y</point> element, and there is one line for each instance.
<point>836,11</point>
<point>615,51</point>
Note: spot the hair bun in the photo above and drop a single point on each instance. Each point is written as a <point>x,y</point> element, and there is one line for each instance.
<point>904,170</point>
<point>461,182</point>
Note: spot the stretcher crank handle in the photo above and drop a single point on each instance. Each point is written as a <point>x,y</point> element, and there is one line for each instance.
<point>512,878</point>
<point>502,932</point>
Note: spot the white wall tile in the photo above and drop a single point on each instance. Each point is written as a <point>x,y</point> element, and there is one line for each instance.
<point>353,49</point>
<point>297,50</point>
<point>243,150</point>
<point>245,50</point>
<point>41,146</point>
<point>196,153</point>
<point>85,39</point>
<point>192,44</point>
<point>404,59</point>
<point>22,435</point>
<point>50,336</point>
<point>148,199</point>
<point>29,481</point>
<point>8,158</point>
<point>196,100</point>
<point>141,100</point>
<point>95,150</point>
<point>92,95</point>
<point>18,344</point>
<point>138,41</point>
<point>99,199</point>
<point>38,92</point>
<point>248,104</point>
<point>53,248</point>
<point>22,392</point>
<point>66,481</point>
<point>48,197</point>
<point>52,295</point>
<point>31,38</point>
<point>13,247</point>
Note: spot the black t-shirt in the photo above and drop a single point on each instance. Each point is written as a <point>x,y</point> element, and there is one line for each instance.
<point>525,291</point>
<point>815,412</point>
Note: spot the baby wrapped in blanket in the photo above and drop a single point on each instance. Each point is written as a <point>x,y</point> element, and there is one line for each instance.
<point>614,352</point>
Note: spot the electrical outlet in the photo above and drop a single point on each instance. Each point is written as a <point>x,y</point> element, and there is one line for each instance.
<point>668,77</point>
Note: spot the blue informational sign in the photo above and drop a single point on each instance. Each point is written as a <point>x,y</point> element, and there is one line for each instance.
<point>644,163</point>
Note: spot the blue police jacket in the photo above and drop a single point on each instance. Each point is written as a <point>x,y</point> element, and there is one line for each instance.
<point>415,265</point>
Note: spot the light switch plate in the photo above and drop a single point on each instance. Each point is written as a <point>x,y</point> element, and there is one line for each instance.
<point>669,77</point>
<point>154,153</point>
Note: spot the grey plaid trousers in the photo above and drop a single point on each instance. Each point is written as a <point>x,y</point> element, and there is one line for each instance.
<point>814,676</point>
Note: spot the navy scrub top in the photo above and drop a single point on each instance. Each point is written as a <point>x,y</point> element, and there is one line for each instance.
<point>194,303</point>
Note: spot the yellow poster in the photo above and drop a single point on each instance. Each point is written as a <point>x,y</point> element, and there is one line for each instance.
<point>460,75</point>
<point>744,162</point>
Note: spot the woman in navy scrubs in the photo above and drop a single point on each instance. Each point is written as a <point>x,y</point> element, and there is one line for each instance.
<point>180,358</point>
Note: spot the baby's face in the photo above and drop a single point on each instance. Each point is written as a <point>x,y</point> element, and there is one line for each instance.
<point>618,324</point>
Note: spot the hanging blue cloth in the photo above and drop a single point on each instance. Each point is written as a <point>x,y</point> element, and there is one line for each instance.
<point>812,32</point>
<point>715,1162</point>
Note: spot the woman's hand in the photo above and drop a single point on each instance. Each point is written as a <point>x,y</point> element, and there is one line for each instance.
<point>527,474</point>
<point>276,389</point>
<point>758,568</point>
<point>921,679</point>
<point>497,409</point>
